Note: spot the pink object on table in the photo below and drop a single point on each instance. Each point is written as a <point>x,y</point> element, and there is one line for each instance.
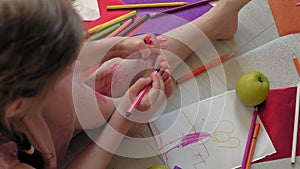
<point>140,96</point>
<point>248,144</point>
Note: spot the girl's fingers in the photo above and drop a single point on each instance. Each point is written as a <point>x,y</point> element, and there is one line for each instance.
<point>139,85</point>
<point>157,87</point>
<point>165,74</point>
<point>168,87</point>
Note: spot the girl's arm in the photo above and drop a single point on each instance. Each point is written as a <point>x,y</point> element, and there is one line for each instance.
<point>98,154</point>
<point>99,51</point>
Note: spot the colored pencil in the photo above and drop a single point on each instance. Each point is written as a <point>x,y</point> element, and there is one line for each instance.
<point>133,26</point>
<point>104,32</point>
<point>250,133</point>
<point>140,96</point>
<point>180,8</point>
<point>298,4</point>
<point>145,5</point>
<point>253,144</point>
<point>111,22</point>
<point>201,69</point>
<point>121,28</point>
<point>295,133</point>
<point>296,63</point>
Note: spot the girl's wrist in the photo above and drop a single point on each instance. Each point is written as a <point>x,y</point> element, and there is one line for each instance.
<point>120,122</point>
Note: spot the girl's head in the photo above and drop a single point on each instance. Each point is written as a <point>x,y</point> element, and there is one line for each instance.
<point>39,39</point>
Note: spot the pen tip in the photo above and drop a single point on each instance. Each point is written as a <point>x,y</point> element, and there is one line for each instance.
<point>128,114</point>
<point>158,68</point>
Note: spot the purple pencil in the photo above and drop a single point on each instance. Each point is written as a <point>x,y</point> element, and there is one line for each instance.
<point>176,9</point>
<point>251,129</point>
<point>134,25</point>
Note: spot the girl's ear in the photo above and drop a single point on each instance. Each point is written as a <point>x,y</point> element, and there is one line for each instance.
<point>16,107</point>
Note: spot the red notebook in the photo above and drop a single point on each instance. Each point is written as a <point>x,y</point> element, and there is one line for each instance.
<point>277,116</point>
<point>286,16</point>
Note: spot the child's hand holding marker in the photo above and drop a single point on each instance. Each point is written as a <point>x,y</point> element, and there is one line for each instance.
<point>145,97</point>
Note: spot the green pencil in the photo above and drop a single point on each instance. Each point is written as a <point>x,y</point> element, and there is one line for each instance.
<point>105,32</point>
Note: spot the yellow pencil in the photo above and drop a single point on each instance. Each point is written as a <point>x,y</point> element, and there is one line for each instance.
<point>150,5</point>
<point>111,22</point>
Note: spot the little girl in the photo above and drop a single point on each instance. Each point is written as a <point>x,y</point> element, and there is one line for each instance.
<point>45,102</point>
<point>40,41</point>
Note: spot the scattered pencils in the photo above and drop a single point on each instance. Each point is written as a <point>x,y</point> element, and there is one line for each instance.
<point>104,32</point>
<point>133,26</point>
<point>121,28</point>
<point>249,139</point>
<point>145,5</point>
<point>295,133</point>
<point>111,22</point>
<point>201,69</point>
<point>253,144</point>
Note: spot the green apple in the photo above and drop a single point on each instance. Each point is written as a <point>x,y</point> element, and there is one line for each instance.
<point>252,88</point>
<point>158,166</point>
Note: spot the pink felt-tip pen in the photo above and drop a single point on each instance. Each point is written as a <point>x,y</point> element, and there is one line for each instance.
<point>140,96</point>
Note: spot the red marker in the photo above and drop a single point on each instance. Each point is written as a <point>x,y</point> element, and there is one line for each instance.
<point>201,69</point>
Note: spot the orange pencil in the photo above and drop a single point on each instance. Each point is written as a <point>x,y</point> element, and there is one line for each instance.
<point>252,147</point>
<point>295,59</point>
<point>121,28</point>
<point>201,69</point>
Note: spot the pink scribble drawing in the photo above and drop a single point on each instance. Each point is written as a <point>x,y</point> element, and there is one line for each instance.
<point>188,139</point>
<point>201,160</point>
<point>184,141</point>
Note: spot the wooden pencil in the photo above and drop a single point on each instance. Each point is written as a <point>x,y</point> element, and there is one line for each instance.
<point>104,32</point>
<point>249,138</point>
<point>296,63</point>
<point>180,8</point>
<point>296,119</point>
<point>134,25</point>
<point>121,28</point>
<point>253,144</point>
<point>111,22</point>
<point>145,5</point>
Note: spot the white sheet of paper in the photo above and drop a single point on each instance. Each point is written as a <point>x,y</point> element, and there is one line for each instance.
<point>88,9</point>
<point>209,134</point>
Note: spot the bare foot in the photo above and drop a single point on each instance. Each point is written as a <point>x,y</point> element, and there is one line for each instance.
<point>221,21</point>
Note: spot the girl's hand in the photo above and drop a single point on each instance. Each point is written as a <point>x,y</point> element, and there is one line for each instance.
<point>151,101</point>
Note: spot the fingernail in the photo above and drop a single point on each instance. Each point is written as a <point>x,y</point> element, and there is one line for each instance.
<point>163,46</point>
<point>163,39</point>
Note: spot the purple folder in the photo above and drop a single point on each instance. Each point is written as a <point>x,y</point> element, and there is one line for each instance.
<point>167,22</point>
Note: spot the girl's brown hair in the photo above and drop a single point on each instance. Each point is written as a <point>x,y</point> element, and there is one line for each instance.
<point>38,39</point>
